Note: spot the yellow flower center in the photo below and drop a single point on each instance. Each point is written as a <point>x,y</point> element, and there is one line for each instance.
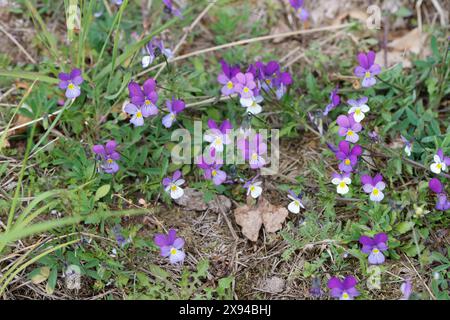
<point>268,81</point>
<point>246,90</point>
<point>214,173</point>
<point>218,141</point>
<point>347,162</point>
<point>173,251</point>
<point>342,184</point>
<point>230,85</point>
<point>375,250</point>
<point>439,166</point>
<point>345,295</point>
<point>297,204</point>
<point>254,156</point>
<point>147,102</point>
<point>71,86</point>
<point>109,160</point>
<point>358,112</point>
<point>375,191</point>
<point>173,187</point>
<point>138,114</point>
<point>349,132</point>
<point>252,188</point>
<point>367,75</point>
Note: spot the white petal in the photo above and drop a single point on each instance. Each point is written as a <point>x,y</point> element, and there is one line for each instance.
<point>358,117</point>
<point>342,190</point>
<point>176,193</point>
<point>347,180</point>
<point>336,181</point>
<point>146,60</point>
<point>434,168</point>
<point>246,102</point>
<point>294,207</point>
<point>437,159</point>
<point>377,197</point>
<point>254,109</point>
<point>179,182</point>
<point>365,108</point>
<point>256,192</point>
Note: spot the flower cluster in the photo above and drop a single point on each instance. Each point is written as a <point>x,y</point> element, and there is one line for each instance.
<point>259,77</point>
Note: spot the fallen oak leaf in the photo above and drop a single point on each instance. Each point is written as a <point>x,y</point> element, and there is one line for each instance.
<point>252,218</point>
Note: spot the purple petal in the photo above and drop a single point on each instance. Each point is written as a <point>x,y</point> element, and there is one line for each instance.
<point>178,243</point>
<point>357,150</point>
<point>366,241</point>
<point>381,237</point>
<point>136,94</point>
<point>75,73</point>
<point>161,240</point>
<point>435,185</point>
<point>343,121</point>
<point>362,59</point>
<point>349,282</point>
<point>370,58</point>
<point>226,125</point>
<point>64,76</point>
<point>334,282</point>
<point>110,146</point>
<point>99,149</point>
<point>366,179</point>
<point>176,175</point>
<point>171,236</point>
<point>344,147</point>
<point>149,86</point>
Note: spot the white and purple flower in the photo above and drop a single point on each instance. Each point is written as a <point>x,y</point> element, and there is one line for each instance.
<point>443,203</point>
<point>373,186</point>
<point>175,107</point>
<point>343,290</point>
<point>71,83</point>
<point>226,77</point>
<point>296,203</point>
<point>348,128</point>
<point>107,155</point>
<point>254,188</point>
<point>441,162</point>
<point>348,156</point>
<point>212,171</point>
<point>341,181</point>
<point>218,136</point>
<point>143,101</point>
<point>367,69</point>
<point>358,108</point>
<point>374,247</point>
<point>171,246</point>
<point>172,185</point>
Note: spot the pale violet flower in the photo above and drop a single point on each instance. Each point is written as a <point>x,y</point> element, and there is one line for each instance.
<point>172,185</point>
<point>341,181</point>
<point>252,104</point>
<point>440,162</point>
<point>296,203</point>
<point>374,186</point>
<point>254,189</point>
<point>408,146</point>
<point>218,136</point>
<point>358,108</point>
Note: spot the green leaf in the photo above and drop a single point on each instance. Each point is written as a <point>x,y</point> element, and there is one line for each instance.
<point>51,283</point>
<point>404,227</point>
<point>102,191</point>
<point>41,275</point>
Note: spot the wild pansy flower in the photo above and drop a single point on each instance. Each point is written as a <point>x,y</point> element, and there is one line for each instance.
<point>172,185</point>
<point>440,162</point>
<point>253,148</point>
<point>270,77</point>
<point>296,203</point>
<point>300,10</point>
<point>218,136</point>
<point>121,241</point>
<point>315,289</point>
<point>71,83</point>
<point>406,289</point>
<point>175,107</point>
<point>367,69</point>
<point>341,181</point>
<point>374,247</point>
<point>254,189</point>
<point>108,156</point>
<point>348,128</point>
<point>408,145</point>
<point>212,171</point>
<point>374,186</point>
<point>373,135</point>
<point>442,204</point>
<point>226,77</point>
<point>170,246</point>
<point>281,81</point>
<point>244,84</point>
<point>335,100</point>
<point>142,101</point>
<point>358,107</point>
<point>252,104</point>
<point>170,9</point>
<point>343,290</point>
<point>348,156</point>
<point>153,49</point>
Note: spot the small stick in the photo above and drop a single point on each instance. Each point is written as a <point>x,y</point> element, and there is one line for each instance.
<point>11,37</point>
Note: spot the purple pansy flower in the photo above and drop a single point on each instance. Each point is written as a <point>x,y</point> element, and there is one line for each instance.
<point>170,9</point>
<point>175,107</point>
<point>107,155</point>
<point>367,69</point>
<point>244,84</point>
<point>348,128</point>
<point>442,204</point>
<point>281,81</point>
<point>71,83</point>
<point>170,246</point>
<point>153,49</point>
<point>121,240</point>
<point>226,77</point>
<point>212,171</point>
<point>335,100</point>
<point>253,148</point>
<point>344,290</point>
<point>172,185</point>
<point>358,108</point>
<point>142,101</point>
<point>440,162</point>
<point>374,247</point>
<point>296,203</point>
<point>374,186</point>
<point>218,136</point>
<point>348,156</point>
<point>301,11</point>
<point>253,187</point>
